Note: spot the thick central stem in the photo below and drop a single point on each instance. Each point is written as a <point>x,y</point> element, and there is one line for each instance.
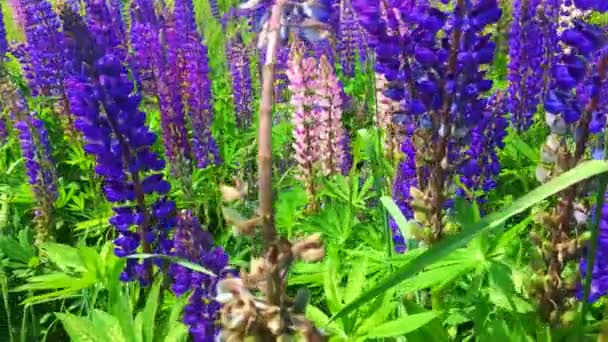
<point>265,152</point>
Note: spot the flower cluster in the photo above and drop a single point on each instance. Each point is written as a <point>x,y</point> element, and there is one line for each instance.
<point>36,151</point>
<point>526,56</point>
<point>145,44</point>
<point>44,47</point>
<point>478,174</point>
<point>103,100</point>
<point>329,104</point>
<point>196,85</point>
<point>316,96</point>
<point>436,85</point>
<point>239,65</point>
<point>192,243</point>
<point>3,42</point>
<point>106,26</point>
<point>350,39</point>
<point>599,275</point>
<point>122,144</point>
<point>306,131</point>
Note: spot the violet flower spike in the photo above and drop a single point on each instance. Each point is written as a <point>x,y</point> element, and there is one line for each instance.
<point>196,89</point>
<point>191,242</point>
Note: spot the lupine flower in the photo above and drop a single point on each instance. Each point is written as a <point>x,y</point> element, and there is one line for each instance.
<point>478,174</point>
<point>404,180</point>
<point>574,111</point>
<point>349,38</point>
<point>386,118</point>
<point>595,5</point>
<point>196,90</point>
<point>36,152</point>
<point>18,11</point>
<point>122,144</point>
<point>215,10</point>
<point>281,78</point>
<point>307,131</point>
<point>105,24</point>
<point>599,275</point>
<point>106,108</point>
<point>346,163</point>
<point>44,47</point>
<point>329,106</point>
<point>436,85</point>
<point>194,244</point>
<point>145,43</point>
<point>238,63</point>
<point>173,119</point>
<point>526,56</point>
<point>3,42</point>
<point>389,44</point>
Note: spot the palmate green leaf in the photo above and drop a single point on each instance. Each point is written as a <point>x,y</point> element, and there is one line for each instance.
<point>356,280</point>
<point>174,329</point>
<point>523,148</point>
<point>109,324</point>
<point>442,249</point>
<point>65,257</point>
<point>182,262</point>
<point>402,326</point>
<point>81,329</point>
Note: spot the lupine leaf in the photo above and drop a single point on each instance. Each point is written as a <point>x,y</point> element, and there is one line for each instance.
<point>80,329</point>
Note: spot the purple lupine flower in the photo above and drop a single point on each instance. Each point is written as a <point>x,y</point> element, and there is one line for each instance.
<point>599,275</point>
<point>348,36</point>
<point>346,163</point>
<point>436,85</point>
<point>404,180</point>
<point>194,244</point>
<point>196,90</point>
<point>105,105</point>
<point>526,56</point>
<point>122,144</point>
<point>145,43</point>
<point>3,42</point>
<point>173,119</point>
<point>36,152</point>
<point>595,5</point>
<point>238,63</point>
<point>44,47</point>
<point>561,105</point>
<point>215,10</point>
<point>3,131</point>
<point>478,173</point>
<point>106,26</point>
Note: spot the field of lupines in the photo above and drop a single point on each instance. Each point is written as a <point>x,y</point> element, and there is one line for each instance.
<point>317,170</point>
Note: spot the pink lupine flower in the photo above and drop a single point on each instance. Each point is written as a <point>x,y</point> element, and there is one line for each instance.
<point>306,117</point>
<point>329,104</point>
